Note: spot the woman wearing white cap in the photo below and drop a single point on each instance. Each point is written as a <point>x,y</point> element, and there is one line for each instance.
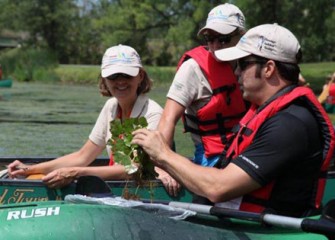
<point>124,79</point>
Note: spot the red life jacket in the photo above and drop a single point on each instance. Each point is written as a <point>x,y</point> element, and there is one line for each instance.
<point>252,121</point>
<point>331,96</point>
<point>225,108</point>
<point>111,160</point>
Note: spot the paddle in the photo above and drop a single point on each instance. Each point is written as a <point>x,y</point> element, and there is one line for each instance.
<point>325,225</point>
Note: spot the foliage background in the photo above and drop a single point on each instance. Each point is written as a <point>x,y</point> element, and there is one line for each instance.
<point>79,31</point>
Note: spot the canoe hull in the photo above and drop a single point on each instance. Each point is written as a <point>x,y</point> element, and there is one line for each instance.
<point>29,212</point>
<point>57,220</point>
<point>6,83</point>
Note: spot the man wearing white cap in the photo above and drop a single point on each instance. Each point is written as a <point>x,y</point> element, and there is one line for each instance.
<point>205,91</point>
<point>281,151</point>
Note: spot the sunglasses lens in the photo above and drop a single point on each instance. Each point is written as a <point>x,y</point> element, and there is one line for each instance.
<point>242,64</point>
<point>118,75</point>
<point>112,77</point>
<point>209,38</point>
<point>126,76</point>
<point>224,39</point>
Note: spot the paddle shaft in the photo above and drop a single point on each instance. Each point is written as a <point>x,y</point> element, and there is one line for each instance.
<point>321,226</point>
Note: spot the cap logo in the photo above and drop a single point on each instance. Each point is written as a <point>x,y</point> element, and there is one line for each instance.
<point>260,43</point>
<point>122,58</point>
<point>216,15</point>
<point>243,39</point>
<point>265,43</point>
<point>240,19</point>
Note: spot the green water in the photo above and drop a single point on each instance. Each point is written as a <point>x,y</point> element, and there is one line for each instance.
<point>54,119</point>
<point>46,119</point>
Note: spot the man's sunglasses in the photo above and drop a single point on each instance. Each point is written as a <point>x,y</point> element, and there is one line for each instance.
<point>243,64</point>
<point>223,39</point>
<point>119,75</point>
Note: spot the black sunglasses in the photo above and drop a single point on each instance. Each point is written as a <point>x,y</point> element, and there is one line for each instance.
<point>243,64</point>
<point>119,75</point>
<point>223,39</point>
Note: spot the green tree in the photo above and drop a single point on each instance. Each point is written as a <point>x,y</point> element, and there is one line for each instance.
<point>160,30</point>
<point>78,31</point>
<point>57,25</point>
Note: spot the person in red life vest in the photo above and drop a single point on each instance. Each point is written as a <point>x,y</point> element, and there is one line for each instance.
<point>282,147</point>
<point>124,80</point>
<point>329,104</point>
<point>205,91</point>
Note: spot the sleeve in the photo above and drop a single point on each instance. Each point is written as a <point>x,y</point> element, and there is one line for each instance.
<point>274,148</point>
<point>153,114</point>
<point>99,132</point>
<point>188,84</point>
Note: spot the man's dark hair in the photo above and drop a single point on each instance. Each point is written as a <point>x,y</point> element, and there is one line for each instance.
<point>288,71</point>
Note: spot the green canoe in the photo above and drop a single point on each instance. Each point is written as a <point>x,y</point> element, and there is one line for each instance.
<point>29,212</point>
<point>64,220</point>
<point>6,83</point>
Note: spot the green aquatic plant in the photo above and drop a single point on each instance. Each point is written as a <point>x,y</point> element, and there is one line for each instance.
<point>132,156</point>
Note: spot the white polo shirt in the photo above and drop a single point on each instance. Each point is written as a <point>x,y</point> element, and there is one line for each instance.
<point>143,107</point>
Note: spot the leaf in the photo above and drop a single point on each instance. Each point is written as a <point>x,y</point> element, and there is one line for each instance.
<point>130,155</point>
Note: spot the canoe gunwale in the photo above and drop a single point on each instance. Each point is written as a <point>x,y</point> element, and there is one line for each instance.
<point>33,160</point>
<point>39,183</point>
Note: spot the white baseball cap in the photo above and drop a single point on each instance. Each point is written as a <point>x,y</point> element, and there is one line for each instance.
<point>224,19</point>
<point>120,59</point>
<point>270,41</point>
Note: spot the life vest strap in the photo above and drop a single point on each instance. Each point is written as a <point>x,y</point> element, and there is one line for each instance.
<point>195,120</point>
<point>228,88</point>
<point>255,201</point>
<point>204,132</point>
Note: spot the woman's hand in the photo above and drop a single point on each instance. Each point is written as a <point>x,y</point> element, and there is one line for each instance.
<point>60,177</point>
<point>17,169</point>
<point>170,184</point>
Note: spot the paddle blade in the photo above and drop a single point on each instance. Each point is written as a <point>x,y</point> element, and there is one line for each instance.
<point>92,186</point>
<point>323,96</point>
<point>322,226</point>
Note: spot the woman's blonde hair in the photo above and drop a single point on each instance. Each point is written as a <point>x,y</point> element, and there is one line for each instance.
<point>144,87</point>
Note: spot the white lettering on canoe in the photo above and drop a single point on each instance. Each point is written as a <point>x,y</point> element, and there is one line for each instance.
<point>33,213</point>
